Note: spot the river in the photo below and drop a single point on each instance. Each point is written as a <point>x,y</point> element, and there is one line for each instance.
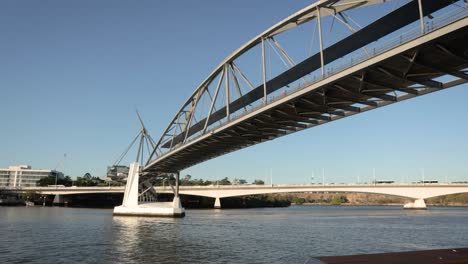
<point>269,235</point>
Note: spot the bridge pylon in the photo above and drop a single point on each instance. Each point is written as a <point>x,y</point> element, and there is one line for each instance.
<point>135,201</point>
<point>417,204</point>
<point>217,204</point>
<point>131,206</point>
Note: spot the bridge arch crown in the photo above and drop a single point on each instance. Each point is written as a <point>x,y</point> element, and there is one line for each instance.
<point>334,77</point>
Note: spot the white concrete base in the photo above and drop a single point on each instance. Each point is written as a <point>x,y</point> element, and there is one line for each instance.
<point>161,209</point>
<point>58,199</point>
<point>217,204</point>
<point>417,204</point>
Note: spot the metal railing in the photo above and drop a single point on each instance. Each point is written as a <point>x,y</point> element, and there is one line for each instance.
<point>367,52</point>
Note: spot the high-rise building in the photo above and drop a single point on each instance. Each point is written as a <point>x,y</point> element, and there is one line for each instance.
<point>24,176</point>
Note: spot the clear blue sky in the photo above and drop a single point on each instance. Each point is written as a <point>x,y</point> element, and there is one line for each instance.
<point>73,72</point>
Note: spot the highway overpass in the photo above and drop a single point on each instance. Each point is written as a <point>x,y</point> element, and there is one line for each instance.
<point>418,192</point>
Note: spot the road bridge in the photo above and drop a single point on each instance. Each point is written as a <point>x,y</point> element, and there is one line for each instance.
<point>418,192</point>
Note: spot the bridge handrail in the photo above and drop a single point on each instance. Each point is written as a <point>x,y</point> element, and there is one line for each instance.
<point>183,131</point>
<point>298,18</point>
<point>243,186</point>
<point>409,35</point>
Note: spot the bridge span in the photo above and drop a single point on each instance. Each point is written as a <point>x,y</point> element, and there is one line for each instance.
<point>418,192</point>
<point>385,52</point>
<point>414,191</point>
<point>409,50</point>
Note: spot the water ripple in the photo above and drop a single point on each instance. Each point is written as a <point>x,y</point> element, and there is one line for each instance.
<point>272,235</point>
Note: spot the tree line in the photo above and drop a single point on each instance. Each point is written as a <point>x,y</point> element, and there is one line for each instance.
<point>188,181</point>
<point>86,180</point>
<point>89,180</point>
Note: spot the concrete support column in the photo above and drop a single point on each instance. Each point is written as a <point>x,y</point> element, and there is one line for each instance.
<point>176,194</point>
<point>217,204</point>
<point>417,204</point>
<point>58,200</point>
<point>176,202</point>
<point>131,188</point>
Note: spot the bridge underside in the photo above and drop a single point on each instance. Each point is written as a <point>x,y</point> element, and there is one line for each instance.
<point>410,73</point>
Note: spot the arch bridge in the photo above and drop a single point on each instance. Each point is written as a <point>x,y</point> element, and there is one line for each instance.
<point>330,60</point>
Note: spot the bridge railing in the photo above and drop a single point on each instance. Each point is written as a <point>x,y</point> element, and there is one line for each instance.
<point>374,49</point>
<point>240,186</point>
<point>327,185</point>
<point>377,48</point>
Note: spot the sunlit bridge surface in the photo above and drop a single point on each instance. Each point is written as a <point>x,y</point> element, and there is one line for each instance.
<point>330,60</point>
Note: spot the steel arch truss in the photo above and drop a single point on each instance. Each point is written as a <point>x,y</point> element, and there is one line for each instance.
<point>267,89</point>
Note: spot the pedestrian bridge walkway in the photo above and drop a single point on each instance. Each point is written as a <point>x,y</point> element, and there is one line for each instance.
<point>408,49</point>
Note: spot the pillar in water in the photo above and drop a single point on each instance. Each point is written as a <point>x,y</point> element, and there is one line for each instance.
<point>131,189</point>
<point>417,204</point>
<point>217,204</point>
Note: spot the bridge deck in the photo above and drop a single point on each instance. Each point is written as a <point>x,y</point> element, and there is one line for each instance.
<point>403,72</point>
<point>417,191</point>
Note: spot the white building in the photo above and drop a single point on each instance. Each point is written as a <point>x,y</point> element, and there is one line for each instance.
<point>24,176</point>
<point>118,173</point>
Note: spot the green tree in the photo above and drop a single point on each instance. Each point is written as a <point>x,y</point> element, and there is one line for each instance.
<point>50,180</point>
<point>298,200</point>
<point>338,200</point>
<point>67,181</point>
<point>46,181</point>
<point>259,182</point>
<point>224,181</point>
<point>88,180</point>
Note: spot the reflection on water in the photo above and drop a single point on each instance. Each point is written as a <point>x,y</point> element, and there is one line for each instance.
<point>133,236</point>
<point>271,235</point>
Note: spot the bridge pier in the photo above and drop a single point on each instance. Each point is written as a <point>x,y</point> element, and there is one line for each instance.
<point>131,207</point>
<point>217,203</point>
<point>417,204</point>
<point>58,200</point>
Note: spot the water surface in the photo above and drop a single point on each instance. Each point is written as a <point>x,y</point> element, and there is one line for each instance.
<point>270,235</point>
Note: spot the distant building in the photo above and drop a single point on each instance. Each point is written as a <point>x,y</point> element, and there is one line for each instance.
<point>24,176</point>
<point>117,172</point>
